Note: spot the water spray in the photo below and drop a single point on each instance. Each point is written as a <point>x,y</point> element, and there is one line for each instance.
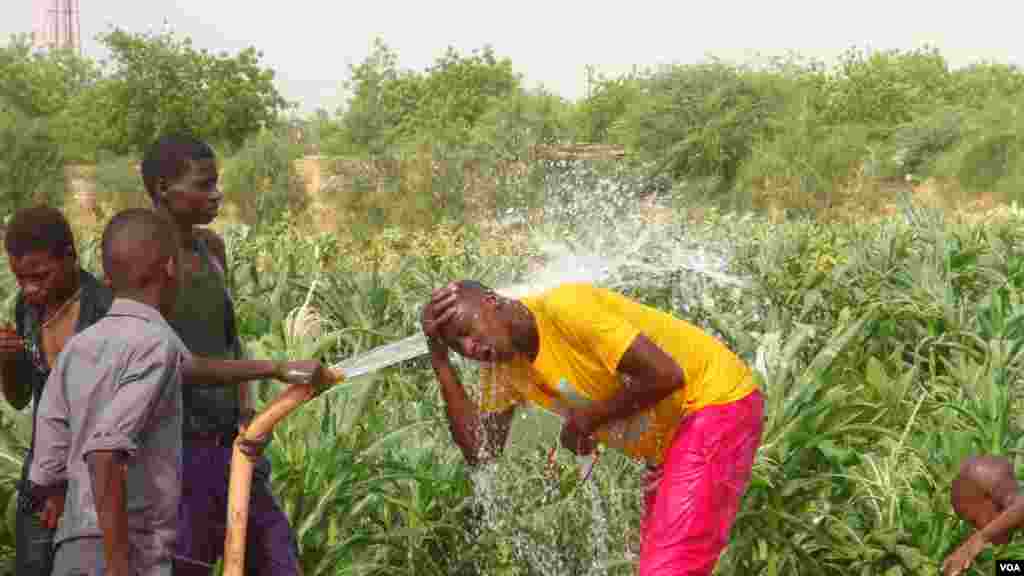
<point>635,246</point>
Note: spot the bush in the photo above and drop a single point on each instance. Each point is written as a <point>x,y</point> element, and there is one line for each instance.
<point>262,180</point>
<point>699,121</point>
<point>987,153</point>
<point>32,165</point>
<point>119,185</point>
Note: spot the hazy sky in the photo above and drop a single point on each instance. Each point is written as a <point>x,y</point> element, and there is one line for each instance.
<point>310,43</point>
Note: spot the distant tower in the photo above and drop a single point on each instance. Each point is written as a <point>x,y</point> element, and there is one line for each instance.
<point>57,25</point>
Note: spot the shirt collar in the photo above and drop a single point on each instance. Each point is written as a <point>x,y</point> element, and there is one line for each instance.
<point>136,309</point>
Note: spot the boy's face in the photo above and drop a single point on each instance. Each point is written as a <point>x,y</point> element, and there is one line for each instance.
<point>195,198</point>
<point>42,276</point>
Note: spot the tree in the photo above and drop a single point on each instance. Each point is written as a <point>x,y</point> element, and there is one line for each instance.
<point>42,83</point>
<point>458,90</point>
<point>160,84</point>
<point>31,166</point>
<point>382,97</point>
<point>389,105</point>
<point>606,104</point>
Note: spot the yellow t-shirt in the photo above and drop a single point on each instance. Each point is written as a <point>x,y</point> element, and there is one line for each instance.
<point>584,331</point>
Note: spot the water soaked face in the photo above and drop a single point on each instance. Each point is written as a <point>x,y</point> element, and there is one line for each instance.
<point>195,197</point>
<point>42,276</point>
<point>479,333</point>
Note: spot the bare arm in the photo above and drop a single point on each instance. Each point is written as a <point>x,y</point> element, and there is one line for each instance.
<point>652,375</point>
<point>246,393</point>
<point>12,369</point>
<point>48,471</point>
<point>199,371</point>
<point>480,436</point>
<point>15,392</point>
<point>107,471</point>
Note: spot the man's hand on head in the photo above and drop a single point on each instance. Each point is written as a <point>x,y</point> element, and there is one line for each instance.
<point>438,312</point>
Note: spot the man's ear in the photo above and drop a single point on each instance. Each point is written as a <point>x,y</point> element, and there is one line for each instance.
<point>107,282</point>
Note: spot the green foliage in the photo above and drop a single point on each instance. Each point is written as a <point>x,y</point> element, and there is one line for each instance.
<point>119,183</point>
<point>513,125</point>
<point>262,180</point>
<point>42,84</point>
<point>390,106</point>
<point>457,90</point>
<point>979,84</point>
<point>887,351</point>
<point>160,83</point>
<point>806,161</point>
<point>699,121</point>
<point>31,165</point>
<point>984,154</point>
<point>886,89</point>
<point>598,114</point>
<point>381,95</point>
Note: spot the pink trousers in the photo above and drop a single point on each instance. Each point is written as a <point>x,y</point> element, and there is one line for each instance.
<point>691,500</point>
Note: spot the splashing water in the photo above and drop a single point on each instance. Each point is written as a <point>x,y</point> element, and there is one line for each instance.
<point>616,266</point>
<point>595,235</point>
<point>383,356</point>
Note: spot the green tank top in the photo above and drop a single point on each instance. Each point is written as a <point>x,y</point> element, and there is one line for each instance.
<point>200,319</point>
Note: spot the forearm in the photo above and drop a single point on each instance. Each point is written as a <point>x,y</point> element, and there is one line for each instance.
<point>107,473</point>
<point>199,371</point>
<point>15,391</point>
<point>463,414</point>
<point>628,401</point>
<point>1010,519</point>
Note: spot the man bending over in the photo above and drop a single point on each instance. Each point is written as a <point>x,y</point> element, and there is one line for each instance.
<point>619,373</point>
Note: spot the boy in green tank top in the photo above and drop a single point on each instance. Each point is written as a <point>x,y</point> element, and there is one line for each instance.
<point>180,174</point>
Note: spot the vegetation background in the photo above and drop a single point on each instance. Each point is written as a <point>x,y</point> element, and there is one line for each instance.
<point>871,203</point>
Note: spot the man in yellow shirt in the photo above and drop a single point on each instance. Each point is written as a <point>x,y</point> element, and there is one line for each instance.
<point>619,373</point>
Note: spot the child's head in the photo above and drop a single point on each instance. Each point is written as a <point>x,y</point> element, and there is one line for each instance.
<point>985,486</point>
<point>140,258</point>
<point>180,175</point>
<point>41,251</point>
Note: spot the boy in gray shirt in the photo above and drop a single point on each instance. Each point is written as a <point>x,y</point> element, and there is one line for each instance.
<point>112,438</point>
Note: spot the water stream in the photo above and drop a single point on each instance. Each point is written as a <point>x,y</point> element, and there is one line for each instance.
<point>608,245</point>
